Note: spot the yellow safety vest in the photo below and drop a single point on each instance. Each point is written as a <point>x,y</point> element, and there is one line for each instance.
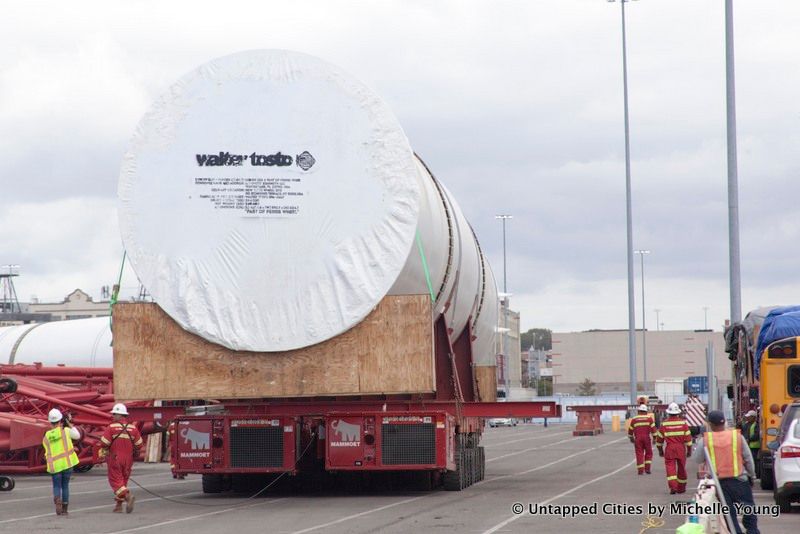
<point>58,450</point>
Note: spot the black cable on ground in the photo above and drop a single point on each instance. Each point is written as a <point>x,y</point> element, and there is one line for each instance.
<point>245,501</point>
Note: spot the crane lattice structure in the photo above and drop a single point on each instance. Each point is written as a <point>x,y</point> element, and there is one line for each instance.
<point>9,302</point>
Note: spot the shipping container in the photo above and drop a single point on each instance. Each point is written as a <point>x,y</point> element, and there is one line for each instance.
<point>695,385</point>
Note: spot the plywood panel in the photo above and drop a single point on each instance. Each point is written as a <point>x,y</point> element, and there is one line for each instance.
<point>486,376</point>
<point>391,351</point>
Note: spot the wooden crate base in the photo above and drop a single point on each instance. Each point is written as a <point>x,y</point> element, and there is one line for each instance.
<point>389,352</point>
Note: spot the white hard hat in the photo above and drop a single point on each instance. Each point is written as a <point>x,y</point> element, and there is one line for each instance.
<point>642,408</point>
<point>55,415</point>
<point>119,409</point>
<point>751,413</point>
<point>673,409</point>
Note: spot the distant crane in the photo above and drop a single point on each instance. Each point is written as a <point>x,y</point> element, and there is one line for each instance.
<point>9,302</point>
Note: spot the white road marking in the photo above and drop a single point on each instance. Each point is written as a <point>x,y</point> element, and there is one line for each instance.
<point>551,499</point>
<point>196,516</point>
<point>565,458</point>
<point>106,490</point>
<point>349,517</point>
<point>73,510</point>
<point>494,434</point>
<point>343,519</point>
<point>526,439</point>
<point>537,448</point>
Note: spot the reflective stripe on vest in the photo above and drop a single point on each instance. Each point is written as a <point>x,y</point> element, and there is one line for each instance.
<point>726,458</point>
<point>753,443</point>
<point>59,452</point>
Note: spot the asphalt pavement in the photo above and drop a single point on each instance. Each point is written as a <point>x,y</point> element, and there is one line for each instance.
<point>540,469</point>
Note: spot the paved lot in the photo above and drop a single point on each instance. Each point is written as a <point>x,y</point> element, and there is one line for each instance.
<point>526,464</point>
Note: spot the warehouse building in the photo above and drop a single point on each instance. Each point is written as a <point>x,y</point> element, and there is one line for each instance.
<point>76,305</point>
<point>602,357</point>
<point>509,370</point>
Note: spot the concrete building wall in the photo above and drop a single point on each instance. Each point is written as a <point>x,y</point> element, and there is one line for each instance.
<point>514,361</point>
<point>602,357</point>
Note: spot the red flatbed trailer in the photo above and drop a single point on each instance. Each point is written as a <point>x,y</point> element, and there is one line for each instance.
<point>439,438</point>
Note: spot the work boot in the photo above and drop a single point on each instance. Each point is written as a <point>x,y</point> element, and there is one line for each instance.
<point>118,507</point>
<point>64,508</point>
<point>129,500</point>
<point>59,509</point>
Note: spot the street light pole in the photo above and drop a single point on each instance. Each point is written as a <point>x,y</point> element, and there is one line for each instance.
<point>644,325</point>
<point>505,309</point>
<point>629,216</point>
<point>733,177</point>
<point>705,317</point>
<point>658,319</point>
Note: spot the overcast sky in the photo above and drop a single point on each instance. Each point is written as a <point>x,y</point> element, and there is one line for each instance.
<point>515,105</point>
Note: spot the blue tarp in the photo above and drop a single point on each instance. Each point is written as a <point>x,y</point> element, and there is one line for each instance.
<point>780,323</point>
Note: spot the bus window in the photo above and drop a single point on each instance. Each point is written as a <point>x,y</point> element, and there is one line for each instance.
<point>793,380</point>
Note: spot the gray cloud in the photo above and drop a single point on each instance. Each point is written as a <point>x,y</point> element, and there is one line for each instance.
<point>516,106</point>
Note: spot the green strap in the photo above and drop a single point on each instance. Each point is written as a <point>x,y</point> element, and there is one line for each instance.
<point>115,293</point>
<point>425,267</point>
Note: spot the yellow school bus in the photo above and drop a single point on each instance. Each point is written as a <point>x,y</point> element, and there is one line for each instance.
<point>779,386</point>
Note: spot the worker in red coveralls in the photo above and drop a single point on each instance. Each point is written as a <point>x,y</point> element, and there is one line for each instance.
<point>121,441</point>
<point>675,433</point>
<point>639,432</point>
<point>642,399</point>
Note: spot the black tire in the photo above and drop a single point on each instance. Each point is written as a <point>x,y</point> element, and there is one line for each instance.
<point>454,480</point>
<point>8,385</point>
<point>6,484</point>
<point>767,478</point>
<point>466,467</point>
<point>212,483</point>
<point>784,504</point>
<point>424,481</point>
<point>83,468</point>
<point>482,456</point>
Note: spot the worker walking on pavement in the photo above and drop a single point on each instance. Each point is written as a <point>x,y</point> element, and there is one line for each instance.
<point>640,430</point>
<point>59,454</point>
<point>121,441</point>
<point>674,443</point>
<point>732,462</point>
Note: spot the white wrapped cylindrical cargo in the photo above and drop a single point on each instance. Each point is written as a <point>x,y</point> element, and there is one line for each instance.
<point>269,201</point>
<point>75,343</point>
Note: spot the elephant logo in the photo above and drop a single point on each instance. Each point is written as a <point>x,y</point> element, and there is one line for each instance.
<point>197,440</point>
<point>348,432</point>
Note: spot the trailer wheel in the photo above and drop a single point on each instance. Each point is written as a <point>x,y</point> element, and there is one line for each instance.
<point>469,468</point>
<point>83,468</point>
<point>454,480</point>
<point>6,483</point>
<point>482,456</point>
<point>8,385</point>
<point>212,483</point>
